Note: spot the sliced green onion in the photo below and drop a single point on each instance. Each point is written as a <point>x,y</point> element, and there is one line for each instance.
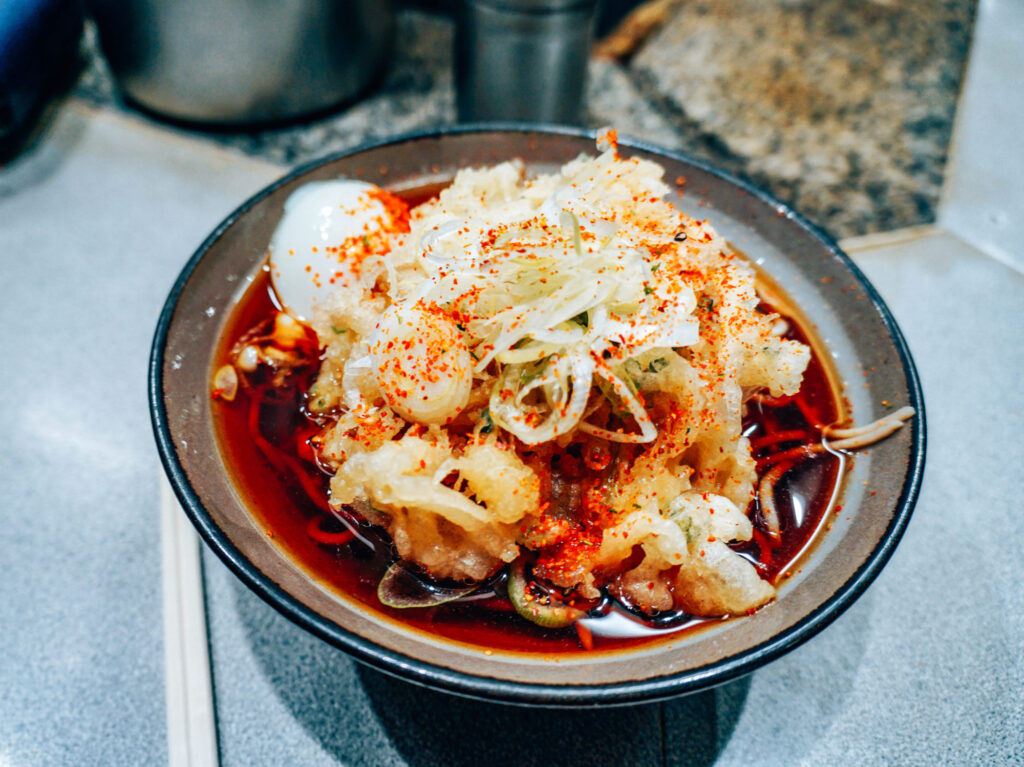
<point>570,220</point>
<point>487,421</point>
<point>553,615</point>
<point>401,588</point>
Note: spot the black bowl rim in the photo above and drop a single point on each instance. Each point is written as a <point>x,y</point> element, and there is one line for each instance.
<point>506,691</point>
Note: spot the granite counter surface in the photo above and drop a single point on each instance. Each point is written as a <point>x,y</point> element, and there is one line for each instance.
<point>844,110</point>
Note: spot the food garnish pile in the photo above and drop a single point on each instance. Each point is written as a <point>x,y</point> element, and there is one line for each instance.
<point>538,379</point>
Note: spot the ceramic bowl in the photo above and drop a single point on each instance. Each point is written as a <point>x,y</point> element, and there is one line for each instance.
<point>845,312</point>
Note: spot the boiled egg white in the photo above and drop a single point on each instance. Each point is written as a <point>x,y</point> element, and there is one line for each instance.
<point>316,244</point>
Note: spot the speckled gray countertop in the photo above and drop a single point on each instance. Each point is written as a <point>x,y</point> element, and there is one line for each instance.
<point>100,214</point>
<point>844,110</point>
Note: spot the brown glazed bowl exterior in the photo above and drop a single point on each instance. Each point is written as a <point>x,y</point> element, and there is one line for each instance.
<point>864,344</point>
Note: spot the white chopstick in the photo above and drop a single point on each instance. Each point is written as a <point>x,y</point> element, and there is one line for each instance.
<point>191,722</point>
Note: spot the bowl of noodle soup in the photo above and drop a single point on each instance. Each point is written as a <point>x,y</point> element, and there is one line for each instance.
<point>552,399</point>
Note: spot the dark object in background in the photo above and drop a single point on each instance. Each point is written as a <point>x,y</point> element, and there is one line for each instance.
<point>38,54</point>
<point>609,12</point>
<point>243,62</point>
<point>523,60</point>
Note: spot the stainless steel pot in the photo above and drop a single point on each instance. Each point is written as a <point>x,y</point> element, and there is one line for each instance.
<point>243,61</point>
<point>523,60</point>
